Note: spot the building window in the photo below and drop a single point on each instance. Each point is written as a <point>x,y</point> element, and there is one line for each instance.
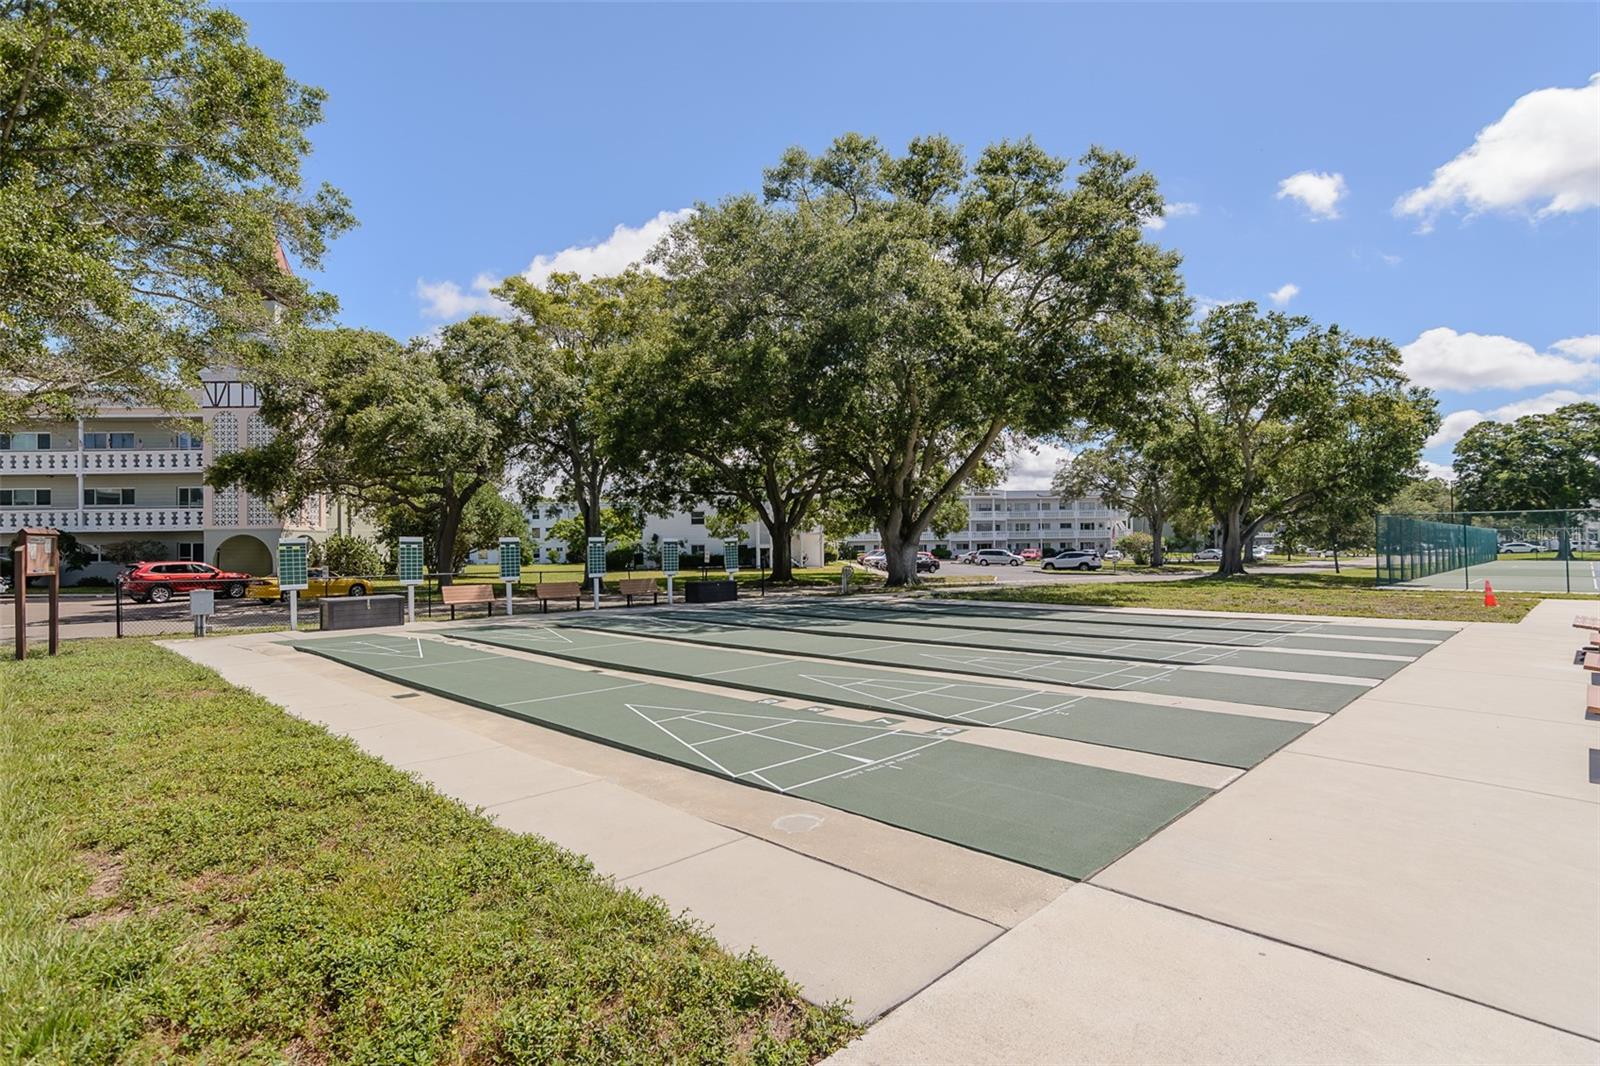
<point>98,440</point>
<point>189,441</point>
<point>190,496</point>
<point>24,497</point>
<point>193,551</point>
<point>108,497</point>
<point>24,442</point>
<point>697,549</point>
<point>697,518</point>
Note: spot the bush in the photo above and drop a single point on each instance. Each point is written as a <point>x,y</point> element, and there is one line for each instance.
<point>1136,545</point>
<point>941,552</point>
<point>350,556</point>
<point>92,582</point>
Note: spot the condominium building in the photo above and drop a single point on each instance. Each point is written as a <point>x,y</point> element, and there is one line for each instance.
<point>1018,518</point>
<point>688,528</point>
<point>131,475</point>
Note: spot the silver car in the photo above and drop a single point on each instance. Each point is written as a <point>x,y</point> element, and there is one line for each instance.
<point>1072,560</point>
<point>997,557</point>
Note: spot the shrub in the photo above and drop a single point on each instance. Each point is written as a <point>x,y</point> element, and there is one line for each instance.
<point>1136,545</point>
<point>353,556</point>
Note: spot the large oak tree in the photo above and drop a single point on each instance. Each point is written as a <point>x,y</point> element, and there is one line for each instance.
<point>946,303</point>
<point>149,173</point>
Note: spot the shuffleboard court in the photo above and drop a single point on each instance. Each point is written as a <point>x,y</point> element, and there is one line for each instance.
<point>1009,622</point>
<point>1516,575</point>
<point>1205,736</point>
<point>1147,646</point>
<point>1206,682</point>
<point>1058,816</point>
<point>1145,618</point>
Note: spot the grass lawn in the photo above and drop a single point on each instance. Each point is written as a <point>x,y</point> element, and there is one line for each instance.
<point>192,874</point>
<point>1350,593</point>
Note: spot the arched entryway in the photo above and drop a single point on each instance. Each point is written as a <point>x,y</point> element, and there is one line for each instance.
<point>246,555</point>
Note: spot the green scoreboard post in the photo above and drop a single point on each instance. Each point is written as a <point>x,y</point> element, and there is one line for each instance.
<point>730,555</point>
<point>293,556</point>
<point>510,565</point>
<point>596,565</point>
<point>408,567</point>
<point>669,564</point>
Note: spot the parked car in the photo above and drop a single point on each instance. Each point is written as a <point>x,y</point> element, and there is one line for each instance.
<point>1258,553</point>
<point>1072,560</point>
<point>1517,547</point>
<point>1113,556</point>
<point>1208,555</point>
<point>318,583</point>
<point>997,557</point>
<point>876,559</point>
<point>967,557</point>
<point>159,582</point>
<point>927,561</point>
<point>5,586</point>
<point>1030,554</point>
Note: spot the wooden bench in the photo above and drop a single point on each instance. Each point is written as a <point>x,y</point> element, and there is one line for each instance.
<point>1594,694</point>
<point>465,594</point>
<point>558,590</point>
<point>639,586</point>
<point>1587,621</point>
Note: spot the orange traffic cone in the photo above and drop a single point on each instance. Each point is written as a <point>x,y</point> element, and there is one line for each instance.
<point>1488,596</point>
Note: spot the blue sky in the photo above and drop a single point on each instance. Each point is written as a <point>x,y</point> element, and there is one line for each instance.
<point>1426,173</point>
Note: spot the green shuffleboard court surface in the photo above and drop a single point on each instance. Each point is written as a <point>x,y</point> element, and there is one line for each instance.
<point>1134,649</point>
<point>1058,816</point>
<point>1004,621</point>
<point>1225,739</point>
<point>1199,622</point>
<point>1083,671</point>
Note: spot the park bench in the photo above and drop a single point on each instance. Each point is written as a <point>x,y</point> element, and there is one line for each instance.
<point>558,590</point>
<point>465,594</point>
<point>639,586</point>
<point>1589,658</point>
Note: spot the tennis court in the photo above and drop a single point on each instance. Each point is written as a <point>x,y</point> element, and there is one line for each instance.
<point>1064,817</point>
<point>1516,575</point>
<point>1201,671</point>
<point>1235,740</point>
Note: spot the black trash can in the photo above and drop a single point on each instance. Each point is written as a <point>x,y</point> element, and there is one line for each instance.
<point>710,591</point>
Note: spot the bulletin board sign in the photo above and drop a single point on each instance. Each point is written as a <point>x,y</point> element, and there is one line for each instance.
<point>42,557</point>
<point>730,554</point>
<point>597,557</point>
<point>292,560</point>
<point>669,557</point>
<point>408,563</point>
<point>510,559</point>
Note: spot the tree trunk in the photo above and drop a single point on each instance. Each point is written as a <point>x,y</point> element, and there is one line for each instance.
<point>1232,543</point>
<point>444,546</point>
<point>1158,548</point>
<point>900,557</point>
<point>782,561</point>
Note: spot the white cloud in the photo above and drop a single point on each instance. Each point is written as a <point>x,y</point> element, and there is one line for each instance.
<point>1438,470</point>
<point>1284,293</point>
<point>1544,152</point>
<point>626,246</point>
<point>1389,260</point>
<point>1320,193</point>
<point>1580,347</point>
<point>1441,358</point>
<point>1173,210</point>
<point>447,300</point>
<point>1455,424</point>
<point>1032,466</point>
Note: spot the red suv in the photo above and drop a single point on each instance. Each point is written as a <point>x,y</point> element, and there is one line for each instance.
<point>159,582</point>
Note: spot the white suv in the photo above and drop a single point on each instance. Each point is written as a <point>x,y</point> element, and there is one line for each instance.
<point>997,557</point>
<point>1072,560</point>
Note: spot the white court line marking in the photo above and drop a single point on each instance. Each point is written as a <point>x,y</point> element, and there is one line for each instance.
<point>858,769</point>
<point>737,669</point>
<point>839,751</point>
<point>679,739</point>
<point>565,695</point>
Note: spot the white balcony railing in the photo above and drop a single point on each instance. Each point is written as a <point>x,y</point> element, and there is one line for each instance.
<point>106,519</point>
<point>150,461</point>
<point>107,461</point>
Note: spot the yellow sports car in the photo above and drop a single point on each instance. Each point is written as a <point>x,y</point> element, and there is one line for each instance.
<point>318,583</point>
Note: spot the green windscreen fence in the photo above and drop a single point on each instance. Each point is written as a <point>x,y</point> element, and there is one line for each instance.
<point>1533,551</point>
<point>1410,547</point>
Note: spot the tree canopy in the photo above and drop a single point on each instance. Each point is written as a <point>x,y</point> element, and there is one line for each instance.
<point>1536,462</point>
<point>408,433</point>
<point>947,302</point>
<point>1280,415</point>
<point>149,173</point>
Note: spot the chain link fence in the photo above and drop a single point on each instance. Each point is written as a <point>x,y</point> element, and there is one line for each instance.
<point>1527,551</point>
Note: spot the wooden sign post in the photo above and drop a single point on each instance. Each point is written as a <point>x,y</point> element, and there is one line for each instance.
<point>37,554</point>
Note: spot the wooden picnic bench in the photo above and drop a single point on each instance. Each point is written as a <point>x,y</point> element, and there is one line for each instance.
<point>558,590</point>
<point>1589,658</point>
<point>639,586</point>
<point>1587,621</point>
<point>465,594</point>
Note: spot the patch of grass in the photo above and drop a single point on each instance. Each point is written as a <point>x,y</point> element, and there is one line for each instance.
<point>191,874</point>
<point>1348,594</point>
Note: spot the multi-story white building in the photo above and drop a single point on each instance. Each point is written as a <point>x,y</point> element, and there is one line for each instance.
<point>127,474</point>
<point>686,527</point>
<point>1018,518</point>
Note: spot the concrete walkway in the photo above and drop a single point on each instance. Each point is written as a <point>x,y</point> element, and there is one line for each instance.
<point>1415,880</point>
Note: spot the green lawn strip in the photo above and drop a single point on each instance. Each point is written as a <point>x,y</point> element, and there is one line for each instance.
<point>191,874</point>
<point>1349,594</point>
